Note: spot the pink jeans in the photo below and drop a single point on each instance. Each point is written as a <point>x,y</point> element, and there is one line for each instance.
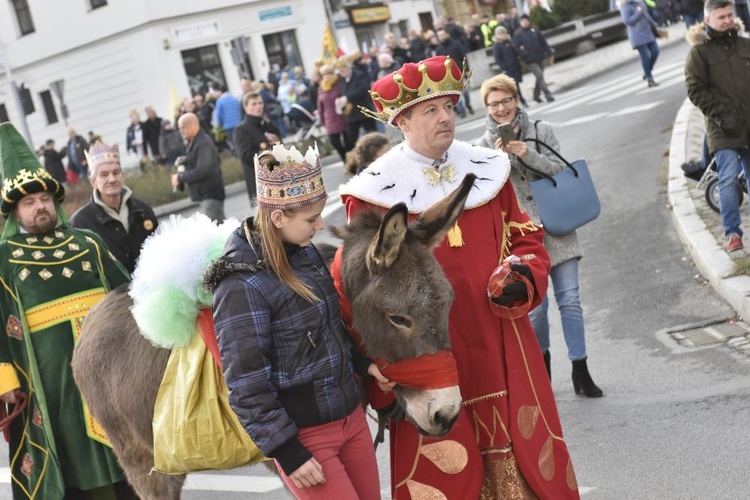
<point>345,451</point>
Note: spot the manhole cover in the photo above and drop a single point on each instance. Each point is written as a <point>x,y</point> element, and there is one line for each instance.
<point>715,334</point>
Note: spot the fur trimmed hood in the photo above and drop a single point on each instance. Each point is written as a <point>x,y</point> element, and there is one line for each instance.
<point>238,254</point>
<point>700,33</point>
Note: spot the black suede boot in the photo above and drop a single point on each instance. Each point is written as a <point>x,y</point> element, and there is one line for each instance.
<point>582,382</point>
<point>548,363</point>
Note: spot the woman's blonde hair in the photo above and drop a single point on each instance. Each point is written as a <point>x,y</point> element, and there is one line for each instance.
<point>498,83</point>
<point>274,255</point>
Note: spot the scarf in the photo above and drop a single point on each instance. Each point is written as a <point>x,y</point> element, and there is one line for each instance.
<point>327,84</point>
<point>429,371</point>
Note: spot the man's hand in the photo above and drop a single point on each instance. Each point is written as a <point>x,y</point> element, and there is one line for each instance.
<point>175,181</point>
<point>516,290</point>
<point>384,384</point>
<point>9,397</point>
<point>309,474</point>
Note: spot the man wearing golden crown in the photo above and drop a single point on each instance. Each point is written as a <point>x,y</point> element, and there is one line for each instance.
<point>51,275</point>
<point>507,442</point>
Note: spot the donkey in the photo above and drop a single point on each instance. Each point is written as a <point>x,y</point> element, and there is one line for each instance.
<point>400,304</point>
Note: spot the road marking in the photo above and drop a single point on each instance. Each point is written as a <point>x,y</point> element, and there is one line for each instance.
<point>636,109</point>
<point>221,482</point>
<point>582,490</point>
<point>581,119</point>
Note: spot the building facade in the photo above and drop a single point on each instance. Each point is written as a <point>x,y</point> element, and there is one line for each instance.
<point>87,63</point>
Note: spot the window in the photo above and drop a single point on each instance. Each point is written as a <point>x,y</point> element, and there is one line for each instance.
<point>282,49</point>
<point>49,107</point>
<point>203,69</point>
<point>3,114</point>
<point>23,14</point>
<point>95,4</point>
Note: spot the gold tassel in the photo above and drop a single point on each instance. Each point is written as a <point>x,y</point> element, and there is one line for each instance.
<point>455,238</point>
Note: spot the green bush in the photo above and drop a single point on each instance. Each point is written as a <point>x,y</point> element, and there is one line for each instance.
<point>544,20</point>
<point>566,10</point>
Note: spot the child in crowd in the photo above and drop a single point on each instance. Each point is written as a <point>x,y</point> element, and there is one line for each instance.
<point>368,148</point>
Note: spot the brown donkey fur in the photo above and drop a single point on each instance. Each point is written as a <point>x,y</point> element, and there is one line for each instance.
<point>400,301</point>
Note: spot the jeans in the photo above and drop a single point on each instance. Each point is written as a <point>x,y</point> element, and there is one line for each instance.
<point>565,284</point>
<point>728,167</point>
<point>691,20</point>
<point>649,53</point>
<point>344,450</point>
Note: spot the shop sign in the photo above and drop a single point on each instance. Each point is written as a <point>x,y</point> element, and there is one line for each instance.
<point>195,31</point>
<point>272,14</point>
<point>368,15</point>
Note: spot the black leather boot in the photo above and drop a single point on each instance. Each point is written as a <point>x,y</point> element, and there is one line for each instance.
<point>582,382</point>
<point>548,363</point>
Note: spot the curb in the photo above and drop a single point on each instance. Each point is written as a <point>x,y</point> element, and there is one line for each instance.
<point>713,262</point>
<point>179,205</point>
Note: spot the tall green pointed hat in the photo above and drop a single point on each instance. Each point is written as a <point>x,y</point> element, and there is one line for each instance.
<point>22,172</point>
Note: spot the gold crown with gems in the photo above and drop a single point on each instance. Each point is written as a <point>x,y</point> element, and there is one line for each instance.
<point>416,82</point>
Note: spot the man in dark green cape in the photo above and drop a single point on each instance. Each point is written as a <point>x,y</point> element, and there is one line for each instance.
<point>50,276</point>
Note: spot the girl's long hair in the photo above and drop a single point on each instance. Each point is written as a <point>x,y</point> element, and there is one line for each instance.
<point>272,248</point>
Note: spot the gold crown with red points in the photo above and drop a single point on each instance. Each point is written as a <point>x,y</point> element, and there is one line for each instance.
<point>414,83</point>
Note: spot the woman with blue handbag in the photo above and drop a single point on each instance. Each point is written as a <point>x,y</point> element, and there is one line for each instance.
<point>527,156</point>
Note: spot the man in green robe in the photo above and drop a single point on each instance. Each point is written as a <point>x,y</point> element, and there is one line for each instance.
<point>50,276</point>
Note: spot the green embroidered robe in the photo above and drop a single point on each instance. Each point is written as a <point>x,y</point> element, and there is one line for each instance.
<point>49,282</point>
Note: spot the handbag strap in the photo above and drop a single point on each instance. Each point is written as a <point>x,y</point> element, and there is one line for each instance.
<point>558,155</point>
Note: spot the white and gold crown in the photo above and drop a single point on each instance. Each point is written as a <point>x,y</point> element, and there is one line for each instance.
<point>286,179</point>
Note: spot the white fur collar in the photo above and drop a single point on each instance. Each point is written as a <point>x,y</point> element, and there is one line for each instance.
<point>396,177</point>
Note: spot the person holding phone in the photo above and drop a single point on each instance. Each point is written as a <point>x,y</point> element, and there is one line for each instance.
<point>508,129</point>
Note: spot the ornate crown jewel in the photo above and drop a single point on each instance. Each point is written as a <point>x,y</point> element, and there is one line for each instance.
<point>99,153</point>
<point>416,82</point>
<point>293,181</point>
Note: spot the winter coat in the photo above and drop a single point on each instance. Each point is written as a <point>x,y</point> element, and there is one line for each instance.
<point>506,57</point>
<point>203,172</point>
<point>417,49</point>
<point>151,132</point>
<point>170,142</point>
<point>332,121</point>
<point>452,49</point>
<point>54,164</point>
<point>228,112</point>
<point>124,245</point>
<point>560,248</point>
<point>639,25</point>
<point>717,75</point>
<point>357,92</point>
<point>287,362</point>
<point>692,7</point>
<point>249,140</point>
<point>531,46</point>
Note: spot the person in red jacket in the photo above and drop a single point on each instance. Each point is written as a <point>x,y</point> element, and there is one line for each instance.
<point>507,442</point>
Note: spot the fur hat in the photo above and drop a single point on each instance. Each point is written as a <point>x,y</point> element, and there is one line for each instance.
<point>288,180</point>
<point>22,172</point>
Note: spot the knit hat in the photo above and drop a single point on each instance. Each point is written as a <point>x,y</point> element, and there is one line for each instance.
<point>416,82</point>
<point>22,172</point>
<point>101,154</point>
<point>287,180</point>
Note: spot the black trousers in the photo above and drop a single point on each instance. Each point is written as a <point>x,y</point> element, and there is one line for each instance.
<point>352,131</point>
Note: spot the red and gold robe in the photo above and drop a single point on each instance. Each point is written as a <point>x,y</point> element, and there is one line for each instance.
<point>507,442</point>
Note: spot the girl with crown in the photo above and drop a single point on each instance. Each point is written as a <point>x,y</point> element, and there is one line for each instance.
<point>287,359</point>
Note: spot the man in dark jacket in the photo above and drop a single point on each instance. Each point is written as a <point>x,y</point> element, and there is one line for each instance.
<point>77,147</point>
<point>202,172</point>
<point>355,87</point>
<point>53,161</point>
<point>253,135</point>
<point>507,59</point>
<point>718,83</point>
<point>151,131</point>
<point>122,220</point>
<point>533,50</point>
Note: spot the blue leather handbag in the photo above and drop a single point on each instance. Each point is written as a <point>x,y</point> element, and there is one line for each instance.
<point>566,200</point>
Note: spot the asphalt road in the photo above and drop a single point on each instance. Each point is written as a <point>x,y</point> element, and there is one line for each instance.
<point>672,421</point>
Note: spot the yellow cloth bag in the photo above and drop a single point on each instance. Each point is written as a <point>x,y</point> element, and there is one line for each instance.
<point>194,426</point>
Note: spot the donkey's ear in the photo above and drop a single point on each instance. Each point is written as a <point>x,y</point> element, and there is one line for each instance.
<point>435,222</point>
<point>384,248</point>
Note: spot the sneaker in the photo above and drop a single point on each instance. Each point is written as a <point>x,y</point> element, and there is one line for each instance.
<point>538,99</point>
<point>734,243</point>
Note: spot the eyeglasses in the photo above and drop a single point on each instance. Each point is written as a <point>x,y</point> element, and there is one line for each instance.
<point>505,102</point>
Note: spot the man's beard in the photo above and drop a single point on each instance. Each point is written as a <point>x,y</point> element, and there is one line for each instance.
<point>46,225</point>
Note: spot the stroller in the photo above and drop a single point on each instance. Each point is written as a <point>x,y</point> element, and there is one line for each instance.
<point>708,179</point>
<point>309,132</point>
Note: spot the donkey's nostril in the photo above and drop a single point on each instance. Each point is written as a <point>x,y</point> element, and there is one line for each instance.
<point>445,418</point>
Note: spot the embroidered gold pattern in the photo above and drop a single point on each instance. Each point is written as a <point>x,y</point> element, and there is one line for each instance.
<point>67,272</point>
<point>31,240</point>
<point>74,246</point>
<point>419,491</point>
<point>492,395</point>
<point>503,479</point>
<point>24,274</point>
<point>570,476</point>
<point>435,177</point>
<point>59,234</point>
<point>18,252</point>
<point>527,419</point>
<point>547,460</point>
<point>48,240</point>
<point>45,274</point>
<point>508,226</point>
<point>89,239</point>
<point>59,254</point>
<point>37,254</point>
<point>86,265</point>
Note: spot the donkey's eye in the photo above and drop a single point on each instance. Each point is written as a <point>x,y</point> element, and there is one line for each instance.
<point>399,321</point>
